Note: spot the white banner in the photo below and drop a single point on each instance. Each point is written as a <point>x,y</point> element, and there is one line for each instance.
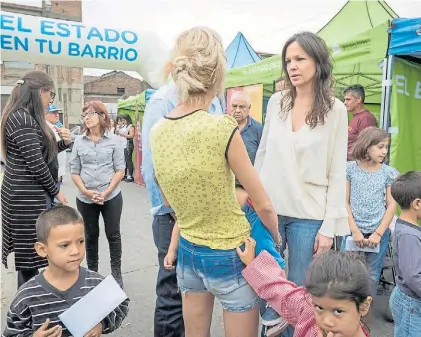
<point>74,44</point>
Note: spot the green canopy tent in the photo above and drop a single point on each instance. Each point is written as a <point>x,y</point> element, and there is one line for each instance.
<point>129,105</point>
<point>356,18</point>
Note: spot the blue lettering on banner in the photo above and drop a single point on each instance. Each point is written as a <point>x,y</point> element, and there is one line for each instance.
<point>94,32</point>
<point>54,38</point>
<point>21,28</point>
<point>6,42</point>
<point>109,37</point>
<point>46,26</point>
<point>41,44</point>
<point>129,39</point>
<point>18,44</point>
<point>63,29</point>
<point>74,49</point>
<point>7,23</point>
<point>78,30</point>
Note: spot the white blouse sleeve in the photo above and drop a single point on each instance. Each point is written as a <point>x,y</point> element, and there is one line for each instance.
<point>336,217</point>
<point>272,108</point>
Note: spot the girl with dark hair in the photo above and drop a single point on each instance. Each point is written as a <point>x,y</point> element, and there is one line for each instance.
<point>333,302</point>
<point>301,159</point>
<point>370,204</point>
<point>30,149</point>
<point>126,130</point>
<point>97,167</point>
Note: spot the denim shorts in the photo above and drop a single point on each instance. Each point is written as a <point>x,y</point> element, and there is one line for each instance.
<point>202,269</point>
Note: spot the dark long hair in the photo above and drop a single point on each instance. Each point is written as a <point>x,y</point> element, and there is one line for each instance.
<point>25,96</point>
<point>127,118</point>
<point>317,49</point>
<point>339,275</point>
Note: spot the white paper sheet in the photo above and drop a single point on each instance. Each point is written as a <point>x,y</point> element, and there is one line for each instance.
<point>91,309</point>
<point>351,246</point>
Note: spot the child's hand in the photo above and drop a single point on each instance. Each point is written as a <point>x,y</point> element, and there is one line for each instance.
<point>95,332</point>
<point>358,238</point>
<point>44,332</point>
<point>247,256</point>
<point>169,260</point>
<point>374,240</point>
<point>321,333</point>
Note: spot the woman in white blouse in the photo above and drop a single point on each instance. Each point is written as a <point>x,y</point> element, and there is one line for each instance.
<point>302,155</point>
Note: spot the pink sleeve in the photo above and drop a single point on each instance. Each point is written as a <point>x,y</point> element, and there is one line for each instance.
<point>293,303</point>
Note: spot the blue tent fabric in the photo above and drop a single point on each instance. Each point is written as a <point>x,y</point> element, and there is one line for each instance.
<point>240,53</point>
<point>405,37</point>
<point>148,94</point>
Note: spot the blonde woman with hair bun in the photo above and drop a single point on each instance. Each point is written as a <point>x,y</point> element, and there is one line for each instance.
<point>195,156</point>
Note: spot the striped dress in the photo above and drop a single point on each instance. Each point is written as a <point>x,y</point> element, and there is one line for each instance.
<point>26,181</point>
<point>38,300</point>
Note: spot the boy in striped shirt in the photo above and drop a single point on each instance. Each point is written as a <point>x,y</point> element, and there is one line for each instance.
<point>38,303</point>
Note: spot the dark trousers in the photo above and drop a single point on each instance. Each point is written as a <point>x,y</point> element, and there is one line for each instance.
<point>25,275</point>
<point>128,156</point>
<point>168,321</point>
<point>111,213</point>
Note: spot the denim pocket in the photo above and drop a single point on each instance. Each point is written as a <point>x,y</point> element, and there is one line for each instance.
<point>396,307</point>
<point>180,264</point>
<point>221,273</point>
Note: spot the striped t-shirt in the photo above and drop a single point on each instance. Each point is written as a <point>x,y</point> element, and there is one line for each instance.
<point>38,300</point>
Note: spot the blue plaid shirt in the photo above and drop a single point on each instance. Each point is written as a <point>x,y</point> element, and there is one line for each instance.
<point>160,104</point>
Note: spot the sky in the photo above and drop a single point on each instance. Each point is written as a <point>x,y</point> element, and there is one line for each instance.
<point>266,24</point>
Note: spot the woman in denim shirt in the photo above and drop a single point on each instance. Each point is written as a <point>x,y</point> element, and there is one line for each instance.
<point>97,167</point>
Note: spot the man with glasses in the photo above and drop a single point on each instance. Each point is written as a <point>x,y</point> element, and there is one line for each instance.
<point>354,97</point>
<point>250,129</point>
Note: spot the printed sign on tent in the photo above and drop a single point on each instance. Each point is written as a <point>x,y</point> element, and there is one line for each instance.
<point>405,147</point>
<point>256,100</point>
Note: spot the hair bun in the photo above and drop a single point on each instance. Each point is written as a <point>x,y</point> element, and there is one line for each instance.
<point>181,63</point>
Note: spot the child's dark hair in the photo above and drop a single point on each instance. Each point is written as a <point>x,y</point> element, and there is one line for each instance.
<point>368,137</point>
<point>339,275</point>
<point>56,216</point>
<point>407,188</point>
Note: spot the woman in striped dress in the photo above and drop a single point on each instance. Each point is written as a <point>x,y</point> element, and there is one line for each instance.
<point>30,152</point>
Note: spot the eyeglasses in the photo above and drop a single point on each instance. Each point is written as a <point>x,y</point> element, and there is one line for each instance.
<point>90,114</point>
<point>52,95</point>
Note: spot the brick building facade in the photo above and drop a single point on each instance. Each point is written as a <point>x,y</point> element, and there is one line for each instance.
<point>68,80</point>
<point>112,86</point>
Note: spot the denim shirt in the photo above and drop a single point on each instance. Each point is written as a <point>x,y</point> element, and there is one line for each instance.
<point>251,134</point>
<point>160,104</point>
<point>96,164</point>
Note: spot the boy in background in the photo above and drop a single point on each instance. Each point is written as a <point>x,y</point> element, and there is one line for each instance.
<point>405,301</point>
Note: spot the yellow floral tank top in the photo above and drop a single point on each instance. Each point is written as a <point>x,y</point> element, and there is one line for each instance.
<point>190,160</point>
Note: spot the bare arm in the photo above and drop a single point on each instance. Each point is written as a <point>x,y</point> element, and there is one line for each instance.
<point>390,212</point>
<point>77,180</point>
<point>174,238</point>
<point>117,177</point>
<point>240,164</point>
<point>352,225</point>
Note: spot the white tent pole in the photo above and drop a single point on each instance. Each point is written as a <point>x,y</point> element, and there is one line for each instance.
<point>386,92</point>
<point>391,61</point>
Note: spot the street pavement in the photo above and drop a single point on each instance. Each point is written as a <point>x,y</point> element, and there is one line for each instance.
<point>140,268</point>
